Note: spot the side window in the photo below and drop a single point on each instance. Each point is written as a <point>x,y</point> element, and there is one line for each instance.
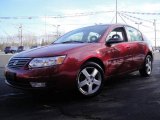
<point>133,34</point>
<point>117,33</point>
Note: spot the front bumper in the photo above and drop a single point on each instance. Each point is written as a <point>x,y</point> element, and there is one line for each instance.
<point>55,77</point>
<point>26,83</point>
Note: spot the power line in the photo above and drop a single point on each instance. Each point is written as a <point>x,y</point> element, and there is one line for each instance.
<point>142,13</point>
<point>122,18</point>
<point>113,19</point>
<point>128,18</point>
<point>58,16</point>
<point>137,18</point>
<point>135,21</point>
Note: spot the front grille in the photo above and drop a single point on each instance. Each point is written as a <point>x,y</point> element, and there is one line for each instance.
<point>18,63</point>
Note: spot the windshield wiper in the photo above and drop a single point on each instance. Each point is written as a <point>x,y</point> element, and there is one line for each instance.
<point>73,41</point>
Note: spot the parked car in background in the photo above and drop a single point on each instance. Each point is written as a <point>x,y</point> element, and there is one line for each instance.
<point>157,49</point>
<point>82,59</point>
<point>10,49</point>
<point>20,48</point>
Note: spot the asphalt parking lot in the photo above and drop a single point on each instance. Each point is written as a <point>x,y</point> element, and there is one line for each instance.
<point>130,97</point>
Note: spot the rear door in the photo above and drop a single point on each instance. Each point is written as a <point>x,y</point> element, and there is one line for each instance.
<point>135,40</point>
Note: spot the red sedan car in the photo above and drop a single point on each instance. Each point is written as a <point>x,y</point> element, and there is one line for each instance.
<point>82,59</point>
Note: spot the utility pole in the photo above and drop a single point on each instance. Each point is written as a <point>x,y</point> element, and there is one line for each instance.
<point>155,32</point>
<point>116,12</point>
<point>20,37</point>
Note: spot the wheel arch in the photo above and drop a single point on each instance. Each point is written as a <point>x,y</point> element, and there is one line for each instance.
<point>151,54</point>
<point>96,60</point>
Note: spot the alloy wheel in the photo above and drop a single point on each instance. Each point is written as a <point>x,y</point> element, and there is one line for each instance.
<point>148,65</point>
<point>89,80</point>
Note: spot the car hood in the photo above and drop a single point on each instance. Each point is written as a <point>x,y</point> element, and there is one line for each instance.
<point>50,50</point>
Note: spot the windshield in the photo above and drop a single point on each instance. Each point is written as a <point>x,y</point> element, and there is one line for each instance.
<point>83,35</point>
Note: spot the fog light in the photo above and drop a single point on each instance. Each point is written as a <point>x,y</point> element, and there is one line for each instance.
<point>36,84</point>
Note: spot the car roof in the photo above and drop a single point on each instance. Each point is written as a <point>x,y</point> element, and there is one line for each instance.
<point>110,25</point>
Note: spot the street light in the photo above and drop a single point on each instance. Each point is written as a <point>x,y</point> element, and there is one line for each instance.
<point>57,29</point>
<point>138,23</point>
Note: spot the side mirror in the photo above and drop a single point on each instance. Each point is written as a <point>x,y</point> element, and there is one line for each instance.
<point>113,41</point>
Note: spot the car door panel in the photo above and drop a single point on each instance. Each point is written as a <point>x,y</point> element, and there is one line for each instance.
<point>119,58</point>
<point>136,41</point>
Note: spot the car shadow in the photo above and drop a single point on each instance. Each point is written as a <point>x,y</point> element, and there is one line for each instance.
<point>71,95</point>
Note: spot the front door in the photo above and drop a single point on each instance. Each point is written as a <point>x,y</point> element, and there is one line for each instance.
<point>119,54</point>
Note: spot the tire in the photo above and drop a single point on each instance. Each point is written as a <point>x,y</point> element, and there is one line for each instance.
<point>90,79</point>
<point>146,70</point>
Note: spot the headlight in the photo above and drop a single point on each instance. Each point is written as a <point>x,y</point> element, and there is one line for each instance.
<point>45,62</point>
